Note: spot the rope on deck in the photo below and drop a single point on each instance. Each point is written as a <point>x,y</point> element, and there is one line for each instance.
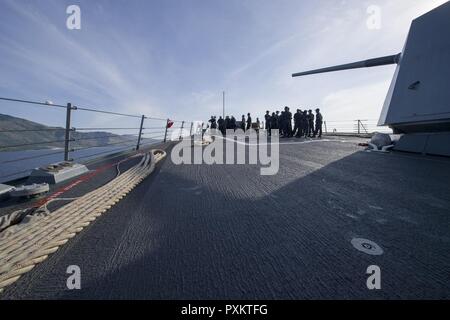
<point>23,250</point>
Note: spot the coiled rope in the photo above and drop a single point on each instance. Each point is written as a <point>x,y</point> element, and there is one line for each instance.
<point>22,251</point>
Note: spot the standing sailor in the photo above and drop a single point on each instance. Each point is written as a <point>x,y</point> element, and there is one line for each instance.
<point>282,122</point>
<point>213,122</point>
<point>243,123</point>
<point>221,123</point>
<point>233,123</point>
<point>305,124</point>
<point>288,124</point>
<point>278,120</point>
<point>249,121</point>
<point>268,118</point>
<point>273,122</point>
<point>297,125</point>
<point>302,124</point>
<point>310,123</point>
<point>319,121</point>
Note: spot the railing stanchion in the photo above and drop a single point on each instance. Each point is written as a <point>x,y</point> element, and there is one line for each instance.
<point>140,133</point>
<point>165,133</point>
<point>181,130</point>
<point>363,126</point>
<point>325,124</point>
<point>67,136</point>
<point>192,126</point>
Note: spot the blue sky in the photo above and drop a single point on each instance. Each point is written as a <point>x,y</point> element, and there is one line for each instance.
<point>173,58</point>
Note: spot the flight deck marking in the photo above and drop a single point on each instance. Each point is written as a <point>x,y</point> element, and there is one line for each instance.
<point>84,178</point>
<point>282,143</point>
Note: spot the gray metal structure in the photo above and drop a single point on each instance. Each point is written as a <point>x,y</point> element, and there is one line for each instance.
<point>418,100</point>
<point>382,61</point>
<point>57,173</point>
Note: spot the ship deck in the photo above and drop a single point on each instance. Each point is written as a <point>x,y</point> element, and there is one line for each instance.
<point>226,232</point>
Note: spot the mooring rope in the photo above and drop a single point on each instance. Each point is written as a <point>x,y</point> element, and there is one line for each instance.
<point>23,250</point>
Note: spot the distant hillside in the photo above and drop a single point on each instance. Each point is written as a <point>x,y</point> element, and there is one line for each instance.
<point>32,138</point>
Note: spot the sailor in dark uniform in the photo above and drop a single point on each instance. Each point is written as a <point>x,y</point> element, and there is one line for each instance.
<point>243,123</point>
<point>302,125</point>
<point>305,124</point>
<point>268,118</point>
<point>213,122</point>
<point>310,123</point>
<point>281,123</point>
<point>227,122</point>
<point>319,121</point>
<point>221,123</point>
<point>288,122</point>
<point>297,125</point>
<point>249,121</point>
<point>273,122</point>
<point>278,120</point>
<point>233,123</point>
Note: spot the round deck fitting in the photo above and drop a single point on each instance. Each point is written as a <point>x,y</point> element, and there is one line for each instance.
<point>367,246</point>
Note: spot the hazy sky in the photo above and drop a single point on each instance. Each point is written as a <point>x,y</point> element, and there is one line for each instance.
<point>173,58</point>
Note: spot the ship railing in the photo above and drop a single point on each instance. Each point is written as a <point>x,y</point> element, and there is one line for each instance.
<point>122,133</point>
<point>362,127</point>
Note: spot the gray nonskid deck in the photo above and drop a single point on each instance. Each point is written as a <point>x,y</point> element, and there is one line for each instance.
<point>225,232</point>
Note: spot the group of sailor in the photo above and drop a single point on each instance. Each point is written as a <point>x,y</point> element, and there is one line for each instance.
<point>231,123</point>
<point>306,124</point>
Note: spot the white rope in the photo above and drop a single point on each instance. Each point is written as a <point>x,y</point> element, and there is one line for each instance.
<point>22,250</point>
<point>8,224</point>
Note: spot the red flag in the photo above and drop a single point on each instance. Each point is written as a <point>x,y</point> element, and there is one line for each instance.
<point>169,124</point>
